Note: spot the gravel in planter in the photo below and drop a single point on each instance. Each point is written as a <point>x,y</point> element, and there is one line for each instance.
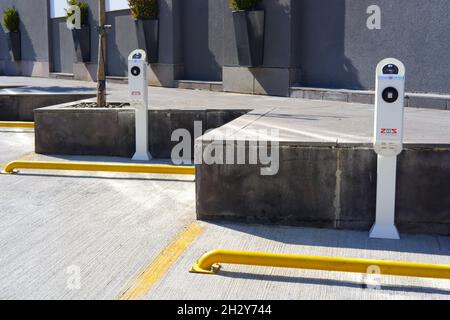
<point>93,105</point>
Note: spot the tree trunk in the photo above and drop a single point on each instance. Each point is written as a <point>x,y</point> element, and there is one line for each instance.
<point>101,81</point>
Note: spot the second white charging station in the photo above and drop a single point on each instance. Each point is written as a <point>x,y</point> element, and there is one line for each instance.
<point>138,96</point>
<point>388,142</point>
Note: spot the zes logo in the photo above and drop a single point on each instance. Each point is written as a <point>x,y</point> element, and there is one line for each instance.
<point>390,132</point>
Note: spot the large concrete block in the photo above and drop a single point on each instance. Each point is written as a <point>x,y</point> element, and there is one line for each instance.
<point>423,190</point>
<point>163,123</point>
<point>426,102</point>
<point>356,183</point>
<point>329,187</point>
<point>77,132</point>
<point>111,132</point>
<point>303,192</point>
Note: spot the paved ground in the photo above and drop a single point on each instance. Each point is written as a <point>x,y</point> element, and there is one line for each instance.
<point>320,121</point>
<point>115,227</point>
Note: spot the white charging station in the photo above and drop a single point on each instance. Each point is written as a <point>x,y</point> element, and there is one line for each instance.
<point>388,142</point>
<point>138,95</point>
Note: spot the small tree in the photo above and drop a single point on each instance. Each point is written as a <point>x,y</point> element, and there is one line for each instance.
<point>243,4</point>
<point>101,81</point>
<point>143,9</point>
<point>11,19</point>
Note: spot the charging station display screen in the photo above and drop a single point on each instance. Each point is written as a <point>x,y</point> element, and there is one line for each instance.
<point>390,69</point>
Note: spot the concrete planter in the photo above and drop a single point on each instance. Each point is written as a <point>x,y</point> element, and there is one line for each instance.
<point>16,105</point>
<point>15,46</point>
<point>249,33</point>
<point>67,130</point>
<point>82,42</point>
<point>148,38</point>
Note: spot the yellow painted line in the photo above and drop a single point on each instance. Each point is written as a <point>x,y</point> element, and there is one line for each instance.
<point>12,167</point>
<point>154,272</point>
<point>16,124</point>
<point>209,264</point>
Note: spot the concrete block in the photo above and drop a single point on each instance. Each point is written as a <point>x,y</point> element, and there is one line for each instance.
<point>271,81</point>
<point>356,183</point>
<point>163,123</point>
<point>126,139</point>
<point>329,187</point>
<point>238,79</point>
<point>335,96</point>
<point>423,187</point>
<point>77,132</point>
<point>301,193</point>
<point>427,102</point>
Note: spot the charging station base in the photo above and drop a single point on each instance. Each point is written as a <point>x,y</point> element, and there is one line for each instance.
<point>384,231</point>
<point>142,156</point>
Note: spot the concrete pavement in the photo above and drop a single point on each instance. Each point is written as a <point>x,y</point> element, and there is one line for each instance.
<point>113,227</point>
<point>110,227</point>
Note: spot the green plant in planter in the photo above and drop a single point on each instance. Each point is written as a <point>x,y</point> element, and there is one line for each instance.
<point>144,9</point>
<point>11,19</point>
<point>243,4</point>
<point>84,11</point>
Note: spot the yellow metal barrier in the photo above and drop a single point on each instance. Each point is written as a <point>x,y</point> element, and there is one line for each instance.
<point>16,124</point>
<point>209,264</point>
<point>93,166</point>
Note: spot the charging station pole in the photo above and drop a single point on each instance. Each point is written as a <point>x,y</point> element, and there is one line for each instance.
<point>138,96</point>
<point>388,143</point>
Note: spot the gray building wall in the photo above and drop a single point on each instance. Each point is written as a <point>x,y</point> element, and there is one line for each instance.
<point>327,40</point>
<point>34,35</point>
<point>61,46</point>
<point>335,49</point>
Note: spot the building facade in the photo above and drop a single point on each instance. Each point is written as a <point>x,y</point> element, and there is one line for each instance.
<point>333,44</point>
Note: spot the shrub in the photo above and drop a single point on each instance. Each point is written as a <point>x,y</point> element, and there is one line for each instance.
<point>243,4</point>
<point>84,11</point>
<point>11,19</point>
<point>144,9</point>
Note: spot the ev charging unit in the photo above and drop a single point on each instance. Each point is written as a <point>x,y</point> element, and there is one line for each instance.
<point>138,96</point>
<point>388,142</point>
